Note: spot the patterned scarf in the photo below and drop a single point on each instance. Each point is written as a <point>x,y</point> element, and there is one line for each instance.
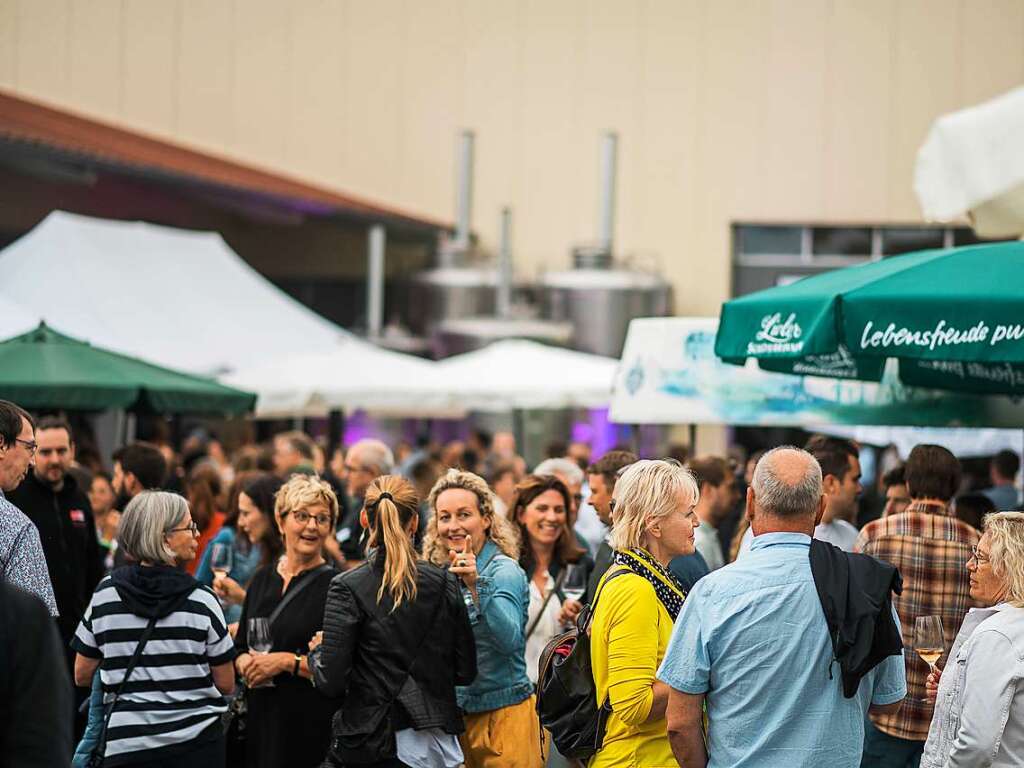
<point>666,586</point>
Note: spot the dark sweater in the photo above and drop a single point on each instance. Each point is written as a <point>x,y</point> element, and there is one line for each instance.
<point>68,534</point>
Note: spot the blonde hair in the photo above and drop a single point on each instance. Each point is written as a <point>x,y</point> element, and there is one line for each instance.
<point>388,518</point>
<point>501,531</point>
<point>647,491</point>
<point>302,492</point>
<point>1006,538</point>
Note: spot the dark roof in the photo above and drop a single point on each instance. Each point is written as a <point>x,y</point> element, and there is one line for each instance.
<point>32,127</point>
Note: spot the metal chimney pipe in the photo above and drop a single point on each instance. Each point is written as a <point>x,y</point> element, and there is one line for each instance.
<point>503,299</point>
<point>464,190</point>
<point>609,152</point>
<point>375,281</point>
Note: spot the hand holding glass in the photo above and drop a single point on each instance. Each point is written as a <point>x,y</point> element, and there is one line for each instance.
<point>260,642</point>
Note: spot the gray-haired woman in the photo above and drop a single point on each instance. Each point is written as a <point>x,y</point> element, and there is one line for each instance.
<point>168,711</point>
<point>979,709</point>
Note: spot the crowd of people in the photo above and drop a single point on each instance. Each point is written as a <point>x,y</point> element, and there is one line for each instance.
<point>392,608</point>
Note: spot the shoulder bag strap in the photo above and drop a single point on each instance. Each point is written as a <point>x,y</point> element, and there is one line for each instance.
<point>296,590</point>
<point>547,599</point>
<point>101,740</point>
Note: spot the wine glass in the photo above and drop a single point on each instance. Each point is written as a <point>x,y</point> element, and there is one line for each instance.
<point>928,640</point>
<point>220,563</point>
<point>574,585</point>
<point>260,641</point>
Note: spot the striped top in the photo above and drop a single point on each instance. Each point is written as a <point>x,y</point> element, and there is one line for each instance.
<point>170,698</point>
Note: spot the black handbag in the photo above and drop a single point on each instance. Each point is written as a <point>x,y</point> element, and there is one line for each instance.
<point>98,753</point>
<point>566,693</point>
<point>235,719</point>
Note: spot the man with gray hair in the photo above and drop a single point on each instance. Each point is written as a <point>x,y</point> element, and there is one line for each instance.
<point>365,461</point>
<point>22,562</point>
<point>757,628</point>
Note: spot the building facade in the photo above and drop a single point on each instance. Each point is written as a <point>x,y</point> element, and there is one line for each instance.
<point>729,112</point>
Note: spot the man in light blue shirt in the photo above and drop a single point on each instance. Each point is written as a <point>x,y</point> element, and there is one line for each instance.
<point>752,643</point>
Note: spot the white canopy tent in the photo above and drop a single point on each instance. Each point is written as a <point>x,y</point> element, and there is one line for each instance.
<point>973,162</point>
<point>181,299</point>
<point>15,319</point>
<point>517,375</point>
<point>353,374</point>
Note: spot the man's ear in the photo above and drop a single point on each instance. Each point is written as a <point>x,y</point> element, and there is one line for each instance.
<point>751,505</point>
<point>821,509</point>
<point>830,485</point>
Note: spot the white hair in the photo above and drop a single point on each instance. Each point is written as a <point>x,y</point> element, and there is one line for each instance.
<point>376,454</point>
<point>142,532</point>
<point>1006,544</point>
<point>787,497</point>
<point>567,468</point>
<point>647,490</point>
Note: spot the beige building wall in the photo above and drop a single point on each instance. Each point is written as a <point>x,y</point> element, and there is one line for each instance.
<point>775,110</point>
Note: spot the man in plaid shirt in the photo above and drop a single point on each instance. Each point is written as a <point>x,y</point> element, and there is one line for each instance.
<point>931,548</point>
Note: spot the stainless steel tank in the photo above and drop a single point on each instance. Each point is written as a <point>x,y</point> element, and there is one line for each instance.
<point>447,292</point>
<point>456,336</point>
<point>599,299</point>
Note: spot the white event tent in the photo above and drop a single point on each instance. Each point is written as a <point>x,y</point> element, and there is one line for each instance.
<point>353,374</point>
<point>517,375</point>
<point>972,162</point>
<point>178,298</point>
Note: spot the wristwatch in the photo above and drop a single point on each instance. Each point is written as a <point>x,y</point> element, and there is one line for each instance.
<point>295,669</point>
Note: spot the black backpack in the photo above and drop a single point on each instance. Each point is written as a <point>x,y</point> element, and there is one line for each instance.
<point>566,694</point>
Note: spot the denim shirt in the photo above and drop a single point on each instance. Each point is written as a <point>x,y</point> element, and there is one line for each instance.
<point>499,628</point>
<point>979,709</point>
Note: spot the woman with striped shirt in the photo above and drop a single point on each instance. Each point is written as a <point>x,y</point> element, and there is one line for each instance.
<point>168,711</point>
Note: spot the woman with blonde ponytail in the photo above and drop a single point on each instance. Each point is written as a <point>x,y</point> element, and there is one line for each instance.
<point>396,642</point>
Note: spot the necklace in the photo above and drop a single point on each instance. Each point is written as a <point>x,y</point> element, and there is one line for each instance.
<point>283,571</point>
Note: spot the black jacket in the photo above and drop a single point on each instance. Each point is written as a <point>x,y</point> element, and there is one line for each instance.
<point>68,534</point>
<point>35,691</point>
<point>367,651</point>
<point>855,592</point>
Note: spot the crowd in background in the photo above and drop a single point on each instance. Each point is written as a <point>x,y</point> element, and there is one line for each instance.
<point>392,606</point>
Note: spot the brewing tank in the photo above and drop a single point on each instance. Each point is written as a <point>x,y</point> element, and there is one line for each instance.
<point>599,299</point>
<point>456,336</point>
<point>447,292</point>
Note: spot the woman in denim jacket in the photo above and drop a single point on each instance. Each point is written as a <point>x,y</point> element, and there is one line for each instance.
<point>979,711</point>
<point>481,548</point>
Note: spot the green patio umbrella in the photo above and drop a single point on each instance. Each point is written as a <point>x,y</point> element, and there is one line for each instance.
<point>953,318</point>
<point>46,369</point>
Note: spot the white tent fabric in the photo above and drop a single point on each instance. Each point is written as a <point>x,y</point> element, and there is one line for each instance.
<point>352,375</point>
<point>519,374</point>
<point>964,443</point>
<point>15,319</point>
<point>973,161</point>
<point>181,299</point>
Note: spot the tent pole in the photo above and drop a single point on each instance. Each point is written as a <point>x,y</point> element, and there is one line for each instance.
<point>519,430</point>
<point>335,430</point>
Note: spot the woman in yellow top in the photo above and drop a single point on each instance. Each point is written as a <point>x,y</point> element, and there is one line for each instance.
<point>653,521</point>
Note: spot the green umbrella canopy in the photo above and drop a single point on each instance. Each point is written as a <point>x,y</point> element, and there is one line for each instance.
<point>46,369</point>
<point>953,318</point>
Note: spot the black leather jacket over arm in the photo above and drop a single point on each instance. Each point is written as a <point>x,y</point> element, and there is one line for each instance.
<point>368,650</point>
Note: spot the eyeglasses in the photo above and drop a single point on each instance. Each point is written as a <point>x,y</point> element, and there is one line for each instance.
<point>352,468</point>
<point>978,556</point>
<point>190,527</point>
<point>30,445</point>
<point>302,517</point>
